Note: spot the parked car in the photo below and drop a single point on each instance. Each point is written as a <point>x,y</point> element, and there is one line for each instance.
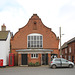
<point>60,62</point>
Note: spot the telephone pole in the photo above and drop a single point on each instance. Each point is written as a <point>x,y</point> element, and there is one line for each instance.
<point>60,41</point>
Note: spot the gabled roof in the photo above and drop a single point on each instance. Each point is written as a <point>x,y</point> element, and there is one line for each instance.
<point>3,35</point>
<point>35,17</point>
<point>66,43</point>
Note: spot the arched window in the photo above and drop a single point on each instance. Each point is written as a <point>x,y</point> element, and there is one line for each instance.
<point>35,40</point>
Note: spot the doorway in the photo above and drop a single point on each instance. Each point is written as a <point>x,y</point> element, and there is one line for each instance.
<point>24,59</point>
<point>44,59</point>
<point>72,58</point>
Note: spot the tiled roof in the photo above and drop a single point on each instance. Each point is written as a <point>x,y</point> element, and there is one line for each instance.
<point>73,39</point>
<point>3,35</point>
<point>66,43</point>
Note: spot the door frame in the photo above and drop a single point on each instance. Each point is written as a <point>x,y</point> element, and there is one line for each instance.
<point>26,59</point>
<point>46,59</point>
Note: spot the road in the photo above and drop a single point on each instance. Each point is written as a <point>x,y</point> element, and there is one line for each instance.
<point>43,70</point>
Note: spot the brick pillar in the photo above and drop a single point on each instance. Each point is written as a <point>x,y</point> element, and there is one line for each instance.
<point>28,58</point>
<point>58,54</point>
<point>19,59</point>
<point>49,58</point>
<point>40,59</point>
<point>74,58</point>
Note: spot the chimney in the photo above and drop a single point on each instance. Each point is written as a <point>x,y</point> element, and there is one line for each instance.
<point>3,27</point>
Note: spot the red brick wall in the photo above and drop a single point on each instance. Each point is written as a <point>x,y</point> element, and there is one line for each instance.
<point>34,60</point>
<point>63,52</point>
<point>50,41</point>
<point>20,39</point>
<point>16,56</point>
<point>72,45</point>
<point>19,60</point>
<point>49,58</point>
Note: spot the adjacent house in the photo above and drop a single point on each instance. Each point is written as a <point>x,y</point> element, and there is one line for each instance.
<point>68,50</point>
<point>4,45</point>
<point>34,43</point>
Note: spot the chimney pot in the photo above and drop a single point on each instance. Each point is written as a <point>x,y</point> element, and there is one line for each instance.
<point>3,27</point>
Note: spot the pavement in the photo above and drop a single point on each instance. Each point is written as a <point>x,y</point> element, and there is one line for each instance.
<point>41,70</point>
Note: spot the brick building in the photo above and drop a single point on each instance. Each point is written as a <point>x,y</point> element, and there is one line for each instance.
<point>34,43</point>
<point>68,50</point>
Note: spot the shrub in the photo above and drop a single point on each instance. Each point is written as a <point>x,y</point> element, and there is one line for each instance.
<point>37,64</point>
<point>31,64</point>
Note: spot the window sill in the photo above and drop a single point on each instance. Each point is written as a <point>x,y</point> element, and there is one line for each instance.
<point>34,58</point>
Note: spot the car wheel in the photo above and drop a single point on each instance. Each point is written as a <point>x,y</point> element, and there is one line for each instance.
<point>70,66</point>
<point>53,66</point>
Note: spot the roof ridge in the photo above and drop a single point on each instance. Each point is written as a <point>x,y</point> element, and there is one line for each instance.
<point>66,43</point>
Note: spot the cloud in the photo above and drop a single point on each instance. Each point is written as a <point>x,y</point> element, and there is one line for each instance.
<point>13,15</point>
<point>53,13</point>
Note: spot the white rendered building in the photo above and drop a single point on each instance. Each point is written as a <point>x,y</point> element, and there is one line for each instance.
<point>4,45</point>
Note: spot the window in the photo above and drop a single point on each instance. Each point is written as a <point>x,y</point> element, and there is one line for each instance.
<point>35,41</point>
<point>69,49</point>
<point>65,50</point>
<point>34,55</point>
<point>69,57</point>
<point>29,38</point>
<point>65,57</point>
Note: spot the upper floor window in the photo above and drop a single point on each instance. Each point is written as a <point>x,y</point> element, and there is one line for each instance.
<point>35,40</point>
<point>65,50</point>
<point>69,49</point>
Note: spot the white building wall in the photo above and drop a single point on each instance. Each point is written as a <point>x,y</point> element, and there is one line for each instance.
<point>4,50</point>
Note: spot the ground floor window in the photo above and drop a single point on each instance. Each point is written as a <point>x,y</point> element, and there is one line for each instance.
<point>69,57</point>
<point>34,55</point>
<point>65,57</point>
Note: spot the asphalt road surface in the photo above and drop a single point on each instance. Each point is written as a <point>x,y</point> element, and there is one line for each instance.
<point>43,70</point>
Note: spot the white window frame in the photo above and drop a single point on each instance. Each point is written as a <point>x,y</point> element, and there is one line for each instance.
<point>65,57</point>
<point>35,34</point>
<point>69,49</point>
<point>34,56</point>
<point>69,57</point>
<point>65,50</point>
